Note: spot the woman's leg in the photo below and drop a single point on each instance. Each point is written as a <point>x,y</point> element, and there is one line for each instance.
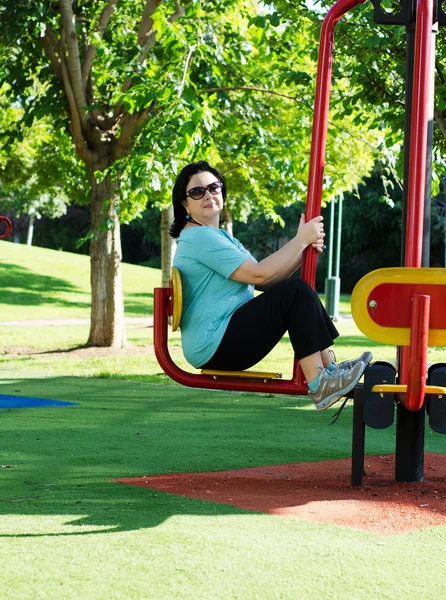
<point>312,365</point>
<point>257,326</point>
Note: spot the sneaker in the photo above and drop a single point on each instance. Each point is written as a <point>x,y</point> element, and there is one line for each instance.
<point>346,365</point>
<point>335,385</point>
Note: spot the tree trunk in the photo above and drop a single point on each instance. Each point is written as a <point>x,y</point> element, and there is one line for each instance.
<point>227,220</point>
<point>107,305</point>
<point>29,237</point>
<point>168,246</point>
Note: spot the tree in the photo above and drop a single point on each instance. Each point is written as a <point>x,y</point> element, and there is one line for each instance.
<point>143,86</point>
<point>32,170</point>
<point>103,80</point>
<point>256,123</point>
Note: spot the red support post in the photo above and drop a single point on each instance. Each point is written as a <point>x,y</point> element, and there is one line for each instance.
<point>418,153</point>
<point>419,339</point>
<point>320,124</point>
<point>319,138</point>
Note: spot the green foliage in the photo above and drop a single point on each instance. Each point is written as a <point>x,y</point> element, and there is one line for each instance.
<point>38,172</point>
<point>372,59</point>
<point>228,81</point>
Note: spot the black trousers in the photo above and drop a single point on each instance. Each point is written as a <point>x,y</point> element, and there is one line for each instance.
<point>257,326</point>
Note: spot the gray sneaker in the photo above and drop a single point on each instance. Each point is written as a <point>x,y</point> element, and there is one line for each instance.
<point>335,385</point>
<point>346,365</point>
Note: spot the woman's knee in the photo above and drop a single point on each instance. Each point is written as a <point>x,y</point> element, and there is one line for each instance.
<point>297,286</point>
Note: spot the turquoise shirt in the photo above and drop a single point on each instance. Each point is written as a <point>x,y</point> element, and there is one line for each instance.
<point>206,257</point>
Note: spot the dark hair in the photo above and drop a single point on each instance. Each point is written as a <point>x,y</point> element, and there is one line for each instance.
<point>179,192</point>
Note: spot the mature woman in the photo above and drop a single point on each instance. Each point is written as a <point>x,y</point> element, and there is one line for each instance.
<point>223,325</point>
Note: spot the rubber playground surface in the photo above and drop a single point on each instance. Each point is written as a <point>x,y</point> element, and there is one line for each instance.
<point>321,491</point>
<point>231,496</point>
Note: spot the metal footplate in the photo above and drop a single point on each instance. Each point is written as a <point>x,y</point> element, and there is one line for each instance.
<point>436,403</point>
<point>379,409</point>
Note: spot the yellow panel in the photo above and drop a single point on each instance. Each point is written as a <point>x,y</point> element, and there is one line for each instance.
<point>402,389</point>
<point>252,374</point>
<point>399,336</point>
<point>177,299</point>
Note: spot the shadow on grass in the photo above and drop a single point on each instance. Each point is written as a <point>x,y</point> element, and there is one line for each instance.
<point>63,462</point>
<point>23,287</point>
<point>144,307</point>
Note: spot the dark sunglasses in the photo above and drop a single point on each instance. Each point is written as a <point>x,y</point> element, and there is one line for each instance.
<point>197,193</point>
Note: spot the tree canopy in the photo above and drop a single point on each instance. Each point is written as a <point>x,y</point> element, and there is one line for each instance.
<point>141,87</point>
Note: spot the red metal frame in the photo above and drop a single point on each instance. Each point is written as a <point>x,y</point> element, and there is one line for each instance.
<point>296,385</point>
<point>320,125</point>
<point>160,333</point>
<point>319,137</point>
<point>419,333</point>
<point>417,179</point>
<point>8,227</point>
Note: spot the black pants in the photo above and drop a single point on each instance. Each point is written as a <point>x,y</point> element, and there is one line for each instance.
<point>257,326</point>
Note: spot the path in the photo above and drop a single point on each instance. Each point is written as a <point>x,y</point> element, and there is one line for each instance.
<point>141,321</point>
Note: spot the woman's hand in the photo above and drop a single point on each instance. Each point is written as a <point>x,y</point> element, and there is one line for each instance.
<point>312,232</point>
<point>319,245</point>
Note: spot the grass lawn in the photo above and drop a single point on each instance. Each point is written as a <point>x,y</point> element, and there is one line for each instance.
<point>70,531</point>
<point>37,283</point>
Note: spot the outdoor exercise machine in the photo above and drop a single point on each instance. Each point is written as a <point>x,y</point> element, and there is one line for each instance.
<point>406,306</point>
<point>7,222</point>
<point>402,306</point>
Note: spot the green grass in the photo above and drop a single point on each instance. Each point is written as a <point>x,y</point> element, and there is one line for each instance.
<point>69,531</point>
<point>30,290</point>
<point>37,283</point>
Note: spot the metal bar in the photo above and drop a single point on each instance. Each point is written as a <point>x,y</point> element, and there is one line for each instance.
<point>160,338</point>
<point>330,240</point>
<point>338,239</point>
<point>358,437</point>
<point>419,339</point>
<point>320,121</point>
<point>319,139</point>
<point>416,176</point>
<point>409,455</point>
<point>419,133</point>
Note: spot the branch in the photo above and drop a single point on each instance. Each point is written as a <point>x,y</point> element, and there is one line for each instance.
<point>150,35</point>
<point>248,89</point>
<point>146,21</point>
<point>91,50</point>
<point>440,120</point>
<point>186,67</point>
<point>129,125</point>
<point>73,59</point>
<point>76,127</point>
<point>50,52</point>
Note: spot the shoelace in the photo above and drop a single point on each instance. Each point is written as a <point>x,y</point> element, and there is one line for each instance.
<point>338,412</point>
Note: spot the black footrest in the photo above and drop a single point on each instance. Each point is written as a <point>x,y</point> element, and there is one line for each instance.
<point>436,406</point>
<point>379,410</point>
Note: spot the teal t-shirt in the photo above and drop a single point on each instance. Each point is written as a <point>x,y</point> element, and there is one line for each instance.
<point>206,257</point>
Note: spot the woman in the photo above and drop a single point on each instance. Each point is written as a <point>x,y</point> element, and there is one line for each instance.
<point>223,325</point>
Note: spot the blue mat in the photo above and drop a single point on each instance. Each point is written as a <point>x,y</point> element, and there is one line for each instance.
<point>24,402</point>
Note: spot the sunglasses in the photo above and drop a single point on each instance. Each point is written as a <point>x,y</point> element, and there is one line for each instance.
<point>197,193</point>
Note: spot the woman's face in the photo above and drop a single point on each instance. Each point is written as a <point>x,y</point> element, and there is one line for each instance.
<point>210,205</point>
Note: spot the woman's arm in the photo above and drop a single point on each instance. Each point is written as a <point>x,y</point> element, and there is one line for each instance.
<point>283,263</point>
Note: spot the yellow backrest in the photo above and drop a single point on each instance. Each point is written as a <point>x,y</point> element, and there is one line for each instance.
<point>177,298</point>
